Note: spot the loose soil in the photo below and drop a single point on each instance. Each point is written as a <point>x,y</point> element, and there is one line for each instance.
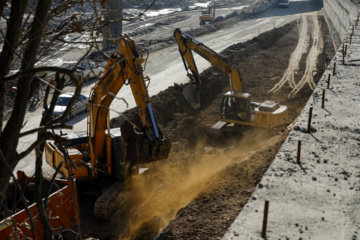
<point>206,181</point>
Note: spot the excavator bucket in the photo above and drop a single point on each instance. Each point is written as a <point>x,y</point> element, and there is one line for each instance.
<point>140,148</point>
<point>160,151</point>
<point>192,95</point>
<point>148,151</point>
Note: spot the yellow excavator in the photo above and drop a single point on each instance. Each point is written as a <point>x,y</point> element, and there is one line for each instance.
<point>236,106</point>
<point>103,152</point>
<point>208,15</point>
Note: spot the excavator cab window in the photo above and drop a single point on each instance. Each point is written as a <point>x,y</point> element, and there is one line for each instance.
<point>235,108</point>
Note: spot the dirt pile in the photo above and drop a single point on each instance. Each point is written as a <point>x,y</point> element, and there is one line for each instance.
<point>203,184</point>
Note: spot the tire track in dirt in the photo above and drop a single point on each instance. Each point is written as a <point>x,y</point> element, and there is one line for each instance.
<point>294,62</point>
<point>309,27</point>
<point>311,61</point>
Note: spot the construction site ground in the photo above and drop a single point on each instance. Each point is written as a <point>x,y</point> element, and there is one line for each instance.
<point>206,181</point>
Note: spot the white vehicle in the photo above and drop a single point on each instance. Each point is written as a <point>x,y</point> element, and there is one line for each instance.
<point>283,3</point>
<point>88,70</point>
<point>63,101</point>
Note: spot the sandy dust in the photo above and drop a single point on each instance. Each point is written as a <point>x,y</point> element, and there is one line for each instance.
<point>153,198</point>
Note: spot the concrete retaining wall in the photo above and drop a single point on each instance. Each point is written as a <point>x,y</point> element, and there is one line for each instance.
<point>341,13</point>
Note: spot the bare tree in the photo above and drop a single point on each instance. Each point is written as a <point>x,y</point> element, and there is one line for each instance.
<point>29,31</point>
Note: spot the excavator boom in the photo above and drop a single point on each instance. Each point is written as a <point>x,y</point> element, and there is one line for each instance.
<point>187,45</point>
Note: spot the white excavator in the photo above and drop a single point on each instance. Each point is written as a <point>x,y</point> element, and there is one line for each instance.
<point>208,15</point>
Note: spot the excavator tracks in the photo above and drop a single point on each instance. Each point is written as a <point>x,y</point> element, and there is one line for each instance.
<point>109,200</point>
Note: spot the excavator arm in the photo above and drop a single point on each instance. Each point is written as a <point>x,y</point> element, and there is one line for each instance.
<point>188,44</point>
<point>123,68</point>
<point>101,97</point>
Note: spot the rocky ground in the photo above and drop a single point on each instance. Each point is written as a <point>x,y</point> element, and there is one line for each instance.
<point>199,190</point>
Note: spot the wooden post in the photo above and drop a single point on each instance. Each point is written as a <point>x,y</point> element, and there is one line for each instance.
<point>266,211</point>
<point>298,153</point>
<point>309,122</point>
<point>346,46</point>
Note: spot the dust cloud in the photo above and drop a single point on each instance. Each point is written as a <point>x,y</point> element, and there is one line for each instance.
<point>153,198</point>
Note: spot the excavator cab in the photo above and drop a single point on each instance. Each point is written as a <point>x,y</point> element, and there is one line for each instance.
<point>236,107</point>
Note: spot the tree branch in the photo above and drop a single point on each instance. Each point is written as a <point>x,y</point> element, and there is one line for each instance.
<point>32,71</point>
<point>3,160</point>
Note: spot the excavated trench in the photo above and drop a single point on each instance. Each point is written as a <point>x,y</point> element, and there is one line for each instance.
<point>199,190</point>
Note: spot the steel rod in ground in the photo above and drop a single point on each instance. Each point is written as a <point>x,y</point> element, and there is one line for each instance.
<point>298,161</point>
<point>334,69</point>
<point>346,46</point>
<point>343,54</point>
<point>328,83</point>
<point>266,211</point>
<point>323,99</point>
<point>309,122</point>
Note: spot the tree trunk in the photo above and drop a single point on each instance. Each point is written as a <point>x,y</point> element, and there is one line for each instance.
<point>10,135</point>
<point>8,50</point>
<point>2,5</point>
<point>113,12</point>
